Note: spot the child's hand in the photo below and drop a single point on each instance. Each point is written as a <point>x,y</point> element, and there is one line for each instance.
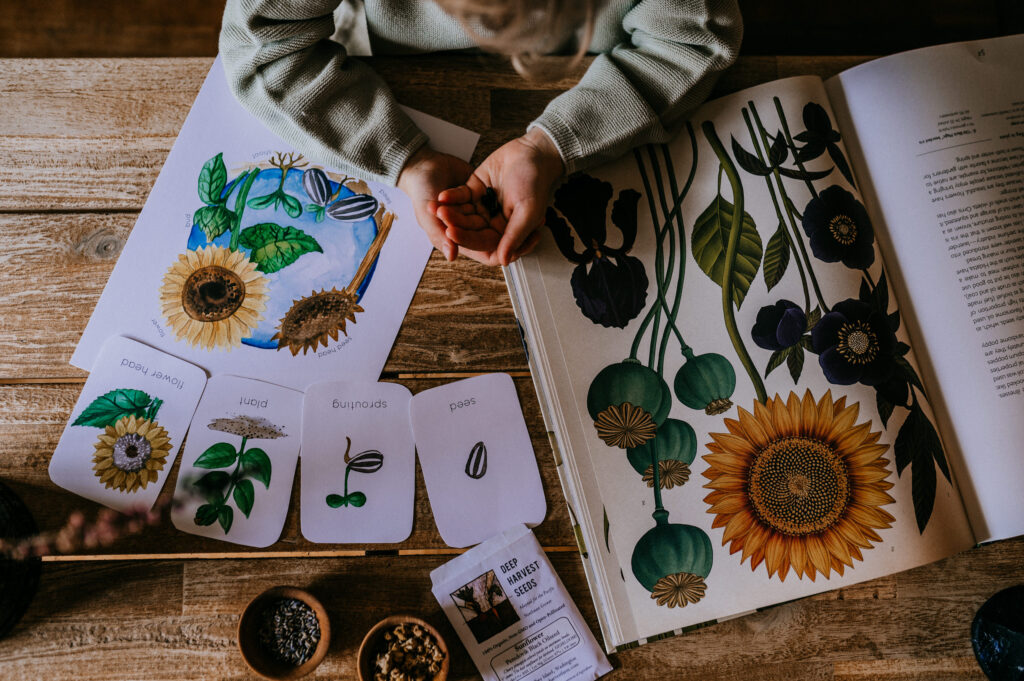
<point>426,174</point>
<point>499,227</point>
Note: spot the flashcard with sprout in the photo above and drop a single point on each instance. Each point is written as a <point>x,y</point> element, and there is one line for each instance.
<point>127,426</point>
<point>236,474</point>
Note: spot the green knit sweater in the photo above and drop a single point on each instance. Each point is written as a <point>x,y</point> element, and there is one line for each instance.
<point>657,61</point>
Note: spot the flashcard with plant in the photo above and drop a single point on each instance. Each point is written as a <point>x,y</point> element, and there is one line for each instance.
<point>219,292</point>
<point>133,448</point>
<point>219,487</point>
<point>369,461</point>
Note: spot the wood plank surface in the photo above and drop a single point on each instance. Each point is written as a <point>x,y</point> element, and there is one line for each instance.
<point>32,418</point>
<point>178,619</point>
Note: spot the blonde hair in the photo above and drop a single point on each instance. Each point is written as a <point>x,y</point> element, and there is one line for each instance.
<point>526,30</point>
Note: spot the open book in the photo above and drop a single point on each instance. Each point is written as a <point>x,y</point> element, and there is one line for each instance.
<point>785,352</point>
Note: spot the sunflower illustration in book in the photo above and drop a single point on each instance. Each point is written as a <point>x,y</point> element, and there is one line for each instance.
<point>796,481</point>
<point>278,257</point>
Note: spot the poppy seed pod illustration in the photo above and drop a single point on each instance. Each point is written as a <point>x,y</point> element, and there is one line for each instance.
<point>628,401</point>
<point>672,561</point>
<point>674,447</point>
<point>706,382</point>
<point>610,287</point>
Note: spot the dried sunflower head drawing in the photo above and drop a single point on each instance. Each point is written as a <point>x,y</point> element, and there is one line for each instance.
<point>799,484</point>
<point>314,319</point>
<point>130,454</point>
<point>213,297</point>
<point>249,427</point>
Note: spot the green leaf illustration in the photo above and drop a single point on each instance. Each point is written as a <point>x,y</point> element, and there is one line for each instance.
<point>710,239</point>
<point>776,257</point>
<point>256,463</point>
<point>262,201</point>
<point>775,361</point>
<point>212,485</point>
<point>810,175</point>
<point>885,408</point>
<point>813,318</point>
<point>291,206</point>
<point>108,409</point>
<point>244,496</point>
<point>336,500</point>
<point>206,515</point>
<point>752,164</point>
<point>795,363</point>
<point>356,499</point>
<point>273,247</point>
<point>918,446</point>
<point>220,455</point>
<point>213,220</point>
<point>225,515</point>
<point>212,179</point>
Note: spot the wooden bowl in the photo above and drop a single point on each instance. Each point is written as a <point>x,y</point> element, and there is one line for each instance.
<point>368,648</point>
<point>261,661</point>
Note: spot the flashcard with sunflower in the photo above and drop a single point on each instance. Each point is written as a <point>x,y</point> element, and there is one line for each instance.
<point>235,479</point>
<point>358,463</point>
<point>127,426</point>
<point>285,264</point>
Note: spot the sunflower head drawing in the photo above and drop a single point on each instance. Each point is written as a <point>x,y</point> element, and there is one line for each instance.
<point>799,484</point>
<point>213,297</point>
<point>314,319</point>
<point>130,454</point>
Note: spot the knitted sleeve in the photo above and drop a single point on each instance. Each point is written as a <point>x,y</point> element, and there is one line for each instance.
<point>640,91</point>
<point>282,66</point>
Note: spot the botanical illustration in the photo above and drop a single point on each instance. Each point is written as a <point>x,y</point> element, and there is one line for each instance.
<point>218,487</point>
<point>133,448</point>
<point>485,607</point>
<point>235,284</point>
<point>629,401</point>
<point>369,461</point>
<point>476,464</point>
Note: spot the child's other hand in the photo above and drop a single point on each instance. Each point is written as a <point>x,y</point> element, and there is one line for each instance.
<point>522,174</point>
<point>426,174</point>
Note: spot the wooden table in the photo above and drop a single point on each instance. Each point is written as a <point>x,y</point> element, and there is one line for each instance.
<point>82,142</point>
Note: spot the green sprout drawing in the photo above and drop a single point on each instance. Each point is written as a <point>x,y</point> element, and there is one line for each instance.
<point>218,486</point>
<point>369,461</point>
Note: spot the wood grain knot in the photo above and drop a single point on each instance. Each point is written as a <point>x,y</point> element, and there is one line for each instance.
<point>104,245</point>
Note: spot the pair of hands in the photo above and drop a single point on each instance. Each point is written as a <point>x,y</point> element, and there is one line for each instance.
<point>449,198</point>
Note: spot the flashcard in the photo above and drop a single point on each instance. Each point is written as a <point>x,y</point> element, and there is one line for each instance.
<point>127,426</point>
<point>477,459</point>
<point>235,480</point>
<point>358,463</point>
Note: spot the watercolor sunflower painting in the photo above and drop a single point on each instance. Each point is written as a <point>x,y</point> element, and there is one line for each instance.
<point>236,284</point>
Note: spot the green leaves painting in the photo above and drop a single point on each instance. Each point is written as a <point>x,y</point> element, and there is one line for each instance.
<point>212,180</point>
<point>108,409</point>
<point>273,247</point>
<point>219,487</point>
<point>710,244</point>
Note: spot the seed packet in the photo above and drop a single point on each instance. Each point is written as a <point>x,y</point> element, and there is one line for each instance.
<point>513,614</point>
<point>478,462</point>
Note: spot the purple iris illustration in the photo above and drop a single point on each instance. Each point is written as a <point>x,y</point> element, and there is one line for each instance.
<point>854,344</point>
<point>610,287</point>
<point>839,229</point>
<point>779,326</point>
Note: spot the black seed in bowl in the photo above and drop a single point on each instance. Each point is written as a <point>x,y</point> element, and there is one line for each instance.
<point>289,631</point>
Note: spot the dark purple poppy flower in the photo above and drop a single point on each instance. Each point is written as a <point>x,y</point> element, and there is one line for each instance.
<point>854,344</point>
<point>779,326</point>
<point>839,229</point>
<point>610,287</point>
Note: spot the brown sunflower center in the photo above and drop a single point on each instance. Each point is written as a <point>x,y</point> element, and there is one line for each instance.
<point>212,293</point>
<point>131,452</point>
<point>798,485</point>
<point>843,228</point>
<point>858,343</point>
<point>625,426</point>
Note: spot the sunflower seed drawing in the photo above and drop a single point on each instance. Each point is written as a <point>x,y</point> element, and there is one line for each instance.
<point>476,465</point>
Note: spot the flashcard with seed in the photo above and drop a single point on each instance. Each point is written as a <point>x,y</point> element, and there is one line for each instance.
<point>358,464</point>
<point>477,459</point>
<point>127,426</point>
<point>235,480</point>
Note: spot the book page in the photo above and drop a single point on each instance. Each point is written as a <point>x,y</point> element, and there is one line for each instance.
<point>739,413</point>
<point>946,169</point>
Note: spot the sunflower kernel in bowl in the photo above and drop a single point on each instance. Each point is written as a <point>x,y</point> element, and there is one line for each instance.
<point>407,652</point>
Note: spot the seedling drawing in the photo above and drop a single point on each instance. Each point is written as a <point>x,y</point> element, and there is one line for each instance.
<point>369,461</point>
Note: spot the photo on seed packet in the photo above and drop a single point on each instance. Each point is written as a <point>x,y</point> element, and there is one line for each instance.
<point>485,607</point>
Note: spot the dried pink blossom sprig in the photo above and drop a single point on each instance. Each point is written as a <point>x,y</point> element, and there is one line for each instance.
<point>78,534</point>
